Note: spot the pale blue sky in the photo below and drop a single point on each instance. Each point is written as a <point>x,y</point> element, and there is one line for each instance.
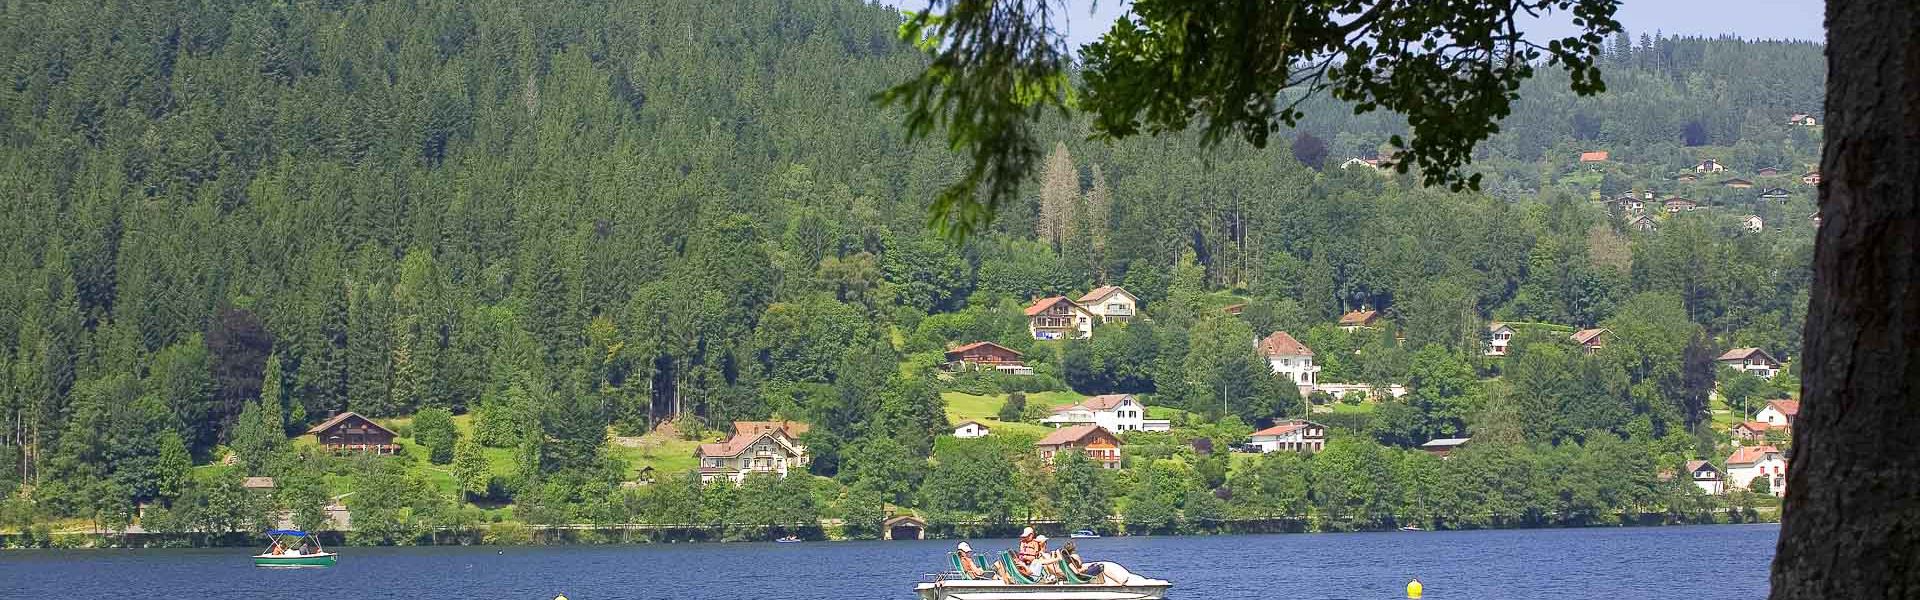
<point>1751,19</point>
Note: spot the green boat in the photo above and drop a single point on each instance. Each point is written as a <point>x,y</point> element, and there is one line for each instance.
<point>294,548</point>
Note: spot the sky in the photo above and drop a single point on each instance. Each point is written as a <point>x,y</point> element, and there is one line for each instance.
<point>1751,19</point>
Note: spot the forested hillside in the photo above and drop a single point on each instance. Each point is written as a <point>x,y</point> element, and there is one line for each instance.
<point>224,221</point>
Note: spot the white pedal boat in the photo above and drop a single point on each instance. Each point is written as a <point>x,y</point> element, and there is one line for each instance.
<point>988,589</point>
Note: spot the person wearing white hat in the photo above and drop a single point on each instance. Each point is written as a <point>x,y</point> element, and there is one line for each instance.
<point>1037,566</point>
<point>967,565</point>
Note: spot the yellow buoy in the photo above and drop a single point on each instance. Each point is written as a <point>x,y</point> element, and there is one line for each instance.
<point>1414,588</point>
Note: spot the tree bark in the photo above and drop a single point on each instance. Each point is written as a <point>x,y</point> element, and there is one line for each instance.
<point>1851,526</point>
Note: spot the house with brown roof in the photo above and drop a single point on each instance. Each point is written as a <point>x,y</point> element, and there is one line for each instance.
<point>1359,319</point>
<point>1590,340</point>
<point>350,432</point>
<point>1677,205</point>
<point>1113,412</point>
<point>1686,178</point>
<point>1737,183</point>
<point>1643,223</point>
<point>1092,440</point>
<point>1802,120</point>
<point>989,356</point>
<point>1754,361</point>
<point>1751,431</point>
<point>1758,462</point>
<point>1767,172</point>
<point>1775,193</point>
<point>1058,318</point>
<point>1112,303</point>
<point>1292,435</point>
<point>1707,477</point>
<point>755,447</point>
<point>1596,156</point>
<point>1288,357</point>
<point>1811,178</point>
<point>1499,338</point>
<point>1779,414</point>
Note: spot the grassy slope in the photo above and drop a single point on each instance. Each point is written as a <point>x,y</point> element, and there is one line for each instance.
<point>962,407</point>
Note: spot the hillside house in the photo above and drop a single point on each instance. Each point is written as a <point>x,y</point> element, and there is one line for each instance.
<point>1590,340</point>
<point>1811,178</point>
<point>1757,462</point>
<point>1751,431</point>
<point>1686,178</point>
<point>1093,440</point>
<point>350,432</point>
<point>1593,157</point>
<point>1499,338</point>
<point>1057,318</point>
<point>1752,360</point>
<point>987,355</point>
<point>755,447</point>
<point>1774,193</point>
<point>1370,163</point>
<point>1709,166</point>
<point>1753,223</point>
<point>1767,172</point>
<point>1289,357</point>
<point>1113,412</point>
<point>1737,183</point>
<point>971,429</point>
<point>1445,446</point>
<point>1802,120</point>
<point>1234,309</point>
<point>1111,303</point>
<point>1779,414</point>
<point>1294,435</point>
<point>263,485</point>
<point>1359,319</point>
<point>1707,477</point>
<point>1678,205</point>
<point>1643,223</point>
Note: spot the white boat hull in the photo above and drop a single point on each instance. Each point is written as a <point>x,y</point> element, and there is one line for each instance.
<point>961,589</point>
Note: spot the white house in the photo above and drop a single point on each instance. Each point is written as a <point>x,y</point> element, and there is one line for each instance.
<point>755,447</point>
<point>1500,338</point>
<point>1293,435</point>
<point>1114,412</point>
<point>1057,318</point>
<point>1752,223</point>
<point>1111,303</point>
<point>1779,413</point>
<point>1709,166</point>
<point>1752,360</point>
<point>1287,356</point>
<point>1756,462</point>
<point>970,429</point>
<point>1707,476</point>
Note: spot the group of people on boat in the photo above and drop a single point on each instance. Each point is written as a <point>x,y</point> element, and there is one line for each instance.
<point>1032,562</point>
<point>306,548</point>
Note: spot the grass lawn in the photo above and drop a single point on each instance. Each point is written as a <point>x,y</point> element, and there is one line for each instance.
<point>1166,412</point>
<point>668,455</point>
<point>963,407</point>
<point>1342,408</point>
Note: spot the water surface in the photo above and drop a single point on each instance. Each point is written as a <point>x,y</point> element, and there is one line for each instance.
<point>1726,562</point>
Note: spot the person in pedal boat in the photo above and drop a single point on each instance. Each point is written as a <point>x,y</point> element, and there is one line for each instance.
<point>967,565</point>
<point>1070,559</point>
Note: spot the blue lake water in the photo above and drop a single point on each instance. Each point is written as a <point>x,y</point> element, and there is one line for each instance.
<point>1693,563</point>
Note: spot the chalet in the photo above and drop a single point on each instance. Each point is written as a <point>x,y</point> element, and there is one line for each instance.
<point>1111,303</point>
<point>1687,178</point>
<point>755,447</point>
<point>1294,435</point>
<point>1801,119</point>
<point>1093,440</point>
<point>257,484</point>
<point>1590,340</point>
<point>1754,361</point>
<point>1057,318</point>
<point>1751,431</point>
<point>1588,157</point>
<point>1737,183</point>
<point>1359,319</point>
<point>971,429</point>
<point>1445,446</point>
<point>1779,414</point>
<point>1289,357</point>
<point>1758,462</point>
<point>1234,309</point>
<point>1643,223</point>
<point>1707,476</point>
<point>1767,172</point>
<point>1676,205</point>
<point>348,431</point>
<point>987,355</point>
<point>1811,178</point>
<point>1774,193</point>
<point>1753,223</point>
<point>1499,338</point>
<point>1709,166</point>
<point>1112,412</point>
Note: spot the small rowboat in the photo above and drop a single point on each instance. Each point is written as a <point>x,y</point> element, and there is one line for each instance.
<point>294,548</point>
<point>787,540</point>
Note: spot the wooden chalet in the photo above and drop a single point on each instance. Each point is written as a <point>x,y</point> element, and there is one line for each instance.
<point>350,432</point>
<point>985,355</point>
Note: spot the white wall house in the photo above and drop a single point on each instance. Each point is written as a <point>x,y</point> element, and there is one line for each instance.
<point>1755,462</point>
<point>1111,303</point>
<point>971,429</point>
<point>1294,435</point>
<point>1289,357</point>
<point>1707,477</point>
<point>1499,338</point>
<point>1753,223</point>
<point>1115,412</point>
<point>1778,413</point>
<point>755,447</point>
<point>1057,318</point>
<point>1754,361</point>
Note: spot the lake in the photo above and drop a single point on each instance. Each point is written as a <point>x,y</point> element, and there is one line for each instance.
<point>1694,563</point>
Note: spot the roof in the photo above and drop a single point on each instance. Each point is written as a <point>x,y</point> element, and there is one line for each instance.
<point>978,345</point>
<point>341,418</point>
<point>1280,343</point>
<point>1359,317</point>
<point>1446,443</point>
<point>1101,293</point>
<point>1679,201</point>
<point>972,422</point>
<point>257,483</point>
<point>1593,156</point>
<point>1100,402</point>
<point>739,443</point>
<point>1693,466</point>
<point>1234,309</point>
<point>793,429</point>
<point>1747,455</point>
<point>1786,407</point>
<point>1074,434</point>
<point>1586,336</point>
<point>1756,426</point>
<point>1283,427</point>
<point>1043,304</point>
<point>1746,353</point>
<point>1496,326</point>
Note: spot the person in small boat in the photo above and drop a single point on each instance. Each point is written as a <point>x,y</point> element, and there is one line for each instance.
<point>1070,560</point>
<point>967,565</point>
<point>1024,555</point>
<point>1042,566</point>
<point>275,548</point>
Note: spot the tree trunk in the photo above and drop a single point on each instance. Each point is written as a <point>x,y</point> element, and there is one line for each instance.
<point>1851,525</point>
